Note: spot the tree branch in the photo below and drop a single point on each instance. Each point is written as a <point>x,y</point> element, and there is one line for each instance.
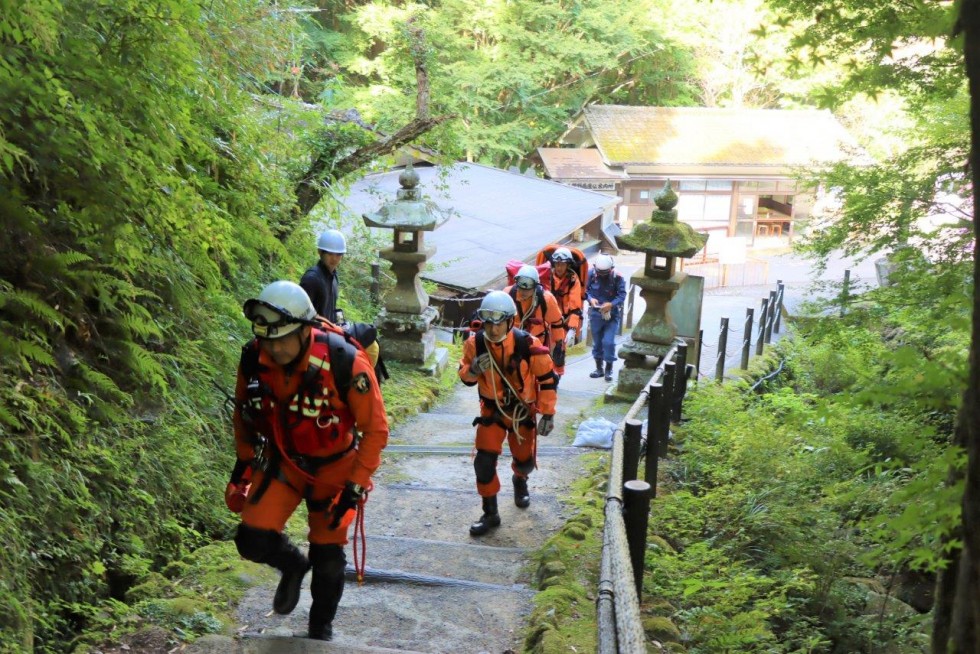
<point>323,172</point>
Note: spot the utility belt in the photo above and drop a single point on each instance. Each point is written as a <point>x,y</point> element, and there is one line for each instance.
<point>270,463</point>
<point>498,418</point>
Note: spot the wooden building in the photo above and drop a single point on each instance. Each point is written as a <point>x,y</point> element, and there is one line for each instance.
<point>734,169</point>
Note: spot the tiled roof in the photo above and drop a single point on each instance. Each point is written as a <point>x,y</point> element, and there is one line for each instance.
<point>496,216</point>
<point>576,163</point>
<point>708,136</point>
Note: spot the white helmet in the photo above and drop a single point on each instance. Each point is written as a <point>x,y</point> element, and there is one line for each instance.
<point>527,272</point>
<point>561,254</point>
<point>332,241</point>
<point>279,310</point>
<point>496,307</point>
<point>603,263</point>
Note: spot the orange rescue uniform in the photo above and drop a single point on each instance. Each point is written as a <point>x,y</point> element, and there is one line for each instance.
<point>302,414</point>
<point>544,322</point>
<point>533,379</point>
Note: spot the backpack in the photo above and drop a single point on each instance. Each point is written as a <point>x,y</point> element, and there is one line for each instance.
<point>343,350</point>
<point>579,264</point>
<point>544,271</point>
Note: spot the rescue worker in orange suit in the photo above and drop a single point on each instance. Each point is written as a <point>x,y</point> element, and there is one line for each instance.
<point>302,390</point>
<point>537,309</point>
<point>567,289</point>
<point>516,382</point>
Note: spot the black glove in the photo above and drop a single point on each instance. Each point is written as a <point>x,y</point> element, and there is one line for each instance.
<point>480,364</point>
<point>342,510</point>
<point>545,425</point>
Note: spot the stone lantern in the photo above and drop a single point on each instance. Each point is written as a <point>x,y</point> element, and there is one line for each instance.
<point>664,240</point>
<point>406,319</point>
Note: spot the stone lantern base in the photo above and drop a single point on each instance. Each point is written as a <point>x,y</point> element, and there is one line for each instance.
<point>409,338</point>
<point>640,360</point>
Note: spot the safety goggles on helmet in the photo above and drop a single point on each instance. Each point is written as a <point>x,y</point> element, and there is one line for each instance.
<point>525,283</point>
<point>493,316</point>
<point>270,321</point>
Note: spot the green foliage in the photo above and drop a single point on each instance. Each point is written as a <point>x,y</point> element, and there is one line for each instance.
<point>510,73</point>
<point>139,200</point>
<point>836,474</point>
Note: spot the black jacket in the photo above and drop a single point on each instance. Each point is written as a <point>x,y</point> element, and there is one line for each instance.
<point>322,286</point>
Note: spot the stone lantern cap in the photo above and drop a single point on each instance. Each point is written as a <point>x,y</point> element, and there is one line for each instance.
<point>409,212</point>
<point>663,235</point>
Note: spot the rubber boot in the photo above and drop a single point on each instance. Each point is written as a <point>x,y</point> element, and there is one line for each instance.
<point>522,499</point>
<point>595,374</point>
<point>326,587</point>
<point>293,565</point>
<point>609,365</point>
<point>489,520</point>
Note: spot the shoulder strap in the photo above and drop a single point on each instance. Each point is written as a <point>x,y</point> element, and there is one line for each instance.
<point>342,355</point>
<point>481,344</point>
<point>522,345</point>
<point>250,359</point>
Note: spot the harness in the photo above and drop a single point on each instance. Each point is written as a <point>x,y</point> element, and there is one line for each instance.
<point>306,422</point>
<point>537,303</point>
<point>513,406</point>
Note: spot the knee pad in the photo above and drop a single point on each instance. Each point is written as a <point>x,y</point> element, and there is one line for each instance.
<point>524,467</point>
<point>485,466</point>
<point>257,544</point>
<point>328,560</point>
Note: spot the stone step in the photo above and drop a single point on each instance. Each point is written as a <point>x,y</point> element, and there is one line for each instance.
<point>445,514</point>
<point>397,617</point>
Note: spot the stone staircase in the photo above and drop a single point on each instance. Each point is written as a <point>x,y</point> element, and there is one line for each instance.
<point>430,587</point>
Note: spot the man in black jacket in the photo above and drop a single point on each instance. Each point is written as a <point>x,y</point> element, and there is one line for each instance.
<point>320,282</point>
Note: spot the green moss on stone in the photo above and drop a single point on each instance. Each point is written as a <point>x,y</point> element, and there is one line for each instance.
<point>661,629</point>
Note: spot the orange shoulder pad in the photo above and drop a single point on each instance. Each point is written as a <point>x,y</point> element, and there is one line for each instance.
<point>539,349</point>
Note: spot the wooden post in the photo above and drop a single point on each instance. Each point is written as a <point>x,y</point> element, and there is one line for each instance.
<point>632,436</point>
<point>770,316</point>
<point>747,337</point>
<point>779,303</point>
<point>636,515</point>
<point>722,351</point>
<point>760,342</point>
<point>655,418</point>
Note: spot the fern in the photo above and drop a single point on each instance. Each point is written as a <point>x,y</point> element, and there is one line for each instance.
<point>12,299</point>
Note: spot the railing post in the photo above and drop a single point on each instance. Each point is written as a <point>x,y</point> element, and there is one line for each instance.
<point>760,342</point>
<point>680,383</point>
<point>747,337</point>
<point>636,515</point>
<point>700,349</point>
<point>770,316</point>
<point>779,303</point>
<point>845,292</point>
<point>722,351</point>
<point>632,436</point>
<point>655,413</point>
<point>375,283</point>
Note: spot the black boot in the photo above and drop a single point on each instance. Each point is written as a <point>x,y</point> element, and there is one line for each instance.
<point>595,374</point>
<point>293,565</point>
<point>489,520</point>
<point>326,587</point>
<point>521,497</point>
<point>609,371</point>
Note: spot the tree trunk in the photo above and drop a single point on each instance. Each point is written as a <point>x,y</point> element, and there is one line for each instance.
<point>963,619</point>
